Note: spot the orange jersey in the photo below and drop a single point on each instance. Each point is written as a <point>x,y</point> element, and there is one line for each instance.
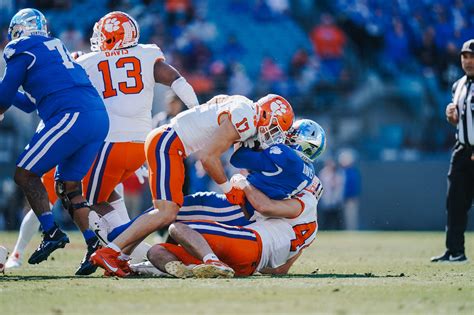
<point>114,163</point>
<point>238,247</point>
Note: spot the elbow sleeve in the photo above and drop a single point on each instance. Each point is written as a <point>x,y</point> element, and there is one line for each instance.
<point>185,92</point>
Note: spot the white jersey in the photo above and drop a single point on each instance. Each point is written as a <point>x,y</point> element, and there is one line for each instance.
<point>284,238</point>
<point>125,80</point>
<point>196,126</point>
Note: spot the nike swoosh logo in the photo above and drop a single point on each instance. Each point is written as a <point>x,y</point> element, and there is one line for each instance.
<point>53,234</point>
<point>278,171</point>
<point>97,233</point>
<point>452,258</point>
<point>109,266</point>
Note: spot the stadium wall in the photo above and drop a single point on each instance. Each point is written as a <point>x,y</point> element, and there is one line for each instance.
<point>404,195</point>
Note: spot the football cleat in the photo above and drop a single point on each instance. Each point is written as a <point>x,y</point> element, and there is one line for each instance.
<point>14,261</point>
<point>213,269</point>
<point>449,257</point>
<point>178,269</point>
<point>123,265</point>
<point>146,268</point>
<point>107,259</point>
<point>52,240</point>
<point>86,268</point>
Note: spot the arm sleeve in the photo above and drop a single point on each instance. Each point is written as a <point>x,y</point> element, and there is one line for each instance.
<point>13,78</point>
<point>185,92</point>
<point>252,160</point>
<point>23,103</point>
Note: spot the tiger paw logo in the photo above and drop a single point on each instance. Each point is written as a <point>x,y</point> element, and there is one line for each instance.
<point>278,108</point>
<point>111,25</point>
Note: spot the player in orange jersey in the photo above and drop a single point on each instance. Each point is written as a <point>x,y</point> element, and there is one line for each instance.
<point>208,130</point>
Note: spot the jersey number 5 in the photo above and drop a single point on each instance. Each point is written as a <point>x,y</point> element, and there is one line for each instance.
<point>135,72</point>
<point>302,232</point>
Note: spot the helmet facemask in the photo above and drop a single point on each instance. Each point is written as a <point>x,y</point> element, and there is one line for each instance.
<point>271,134</point>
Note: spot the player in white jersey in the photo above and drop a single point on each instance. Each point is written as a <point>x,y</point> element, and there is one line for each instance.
<point>271,244</point>
<point>124,73</point>
<point>208,130</point>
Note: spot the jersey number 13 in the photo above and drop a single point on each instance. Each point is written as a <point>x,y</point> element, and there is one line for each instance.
<point>135,72</point>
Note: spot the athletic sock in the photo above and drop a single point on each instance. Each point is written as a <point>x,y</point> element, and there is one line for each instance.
<point>121,208</point>
<point>124,257</point>
<point>113,220</point>
<point>210,256</point>
<point>114,247</point>
<point>139,253</point>
<point>88,234</point>
<point>29,226</point>
<point>47,221</point>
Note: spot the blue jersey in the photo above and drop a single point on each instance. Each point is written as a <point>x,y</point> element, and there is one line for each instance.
<point>277,171</point>
<point>52,80</point>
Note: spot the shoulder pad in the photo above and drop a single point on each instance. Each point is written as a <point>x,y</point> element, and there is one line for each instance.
<point>150,46</point>
<point>281,155</point>
<point>153,50</point>
<point>282,150</point>
<point>82,59</point>
<point>18,46</point>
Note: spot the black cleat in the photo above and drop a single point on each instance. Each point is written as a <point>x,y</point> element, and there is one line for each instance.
<point>449,257</point>
<point>52,240</point>
<point>86,268</point>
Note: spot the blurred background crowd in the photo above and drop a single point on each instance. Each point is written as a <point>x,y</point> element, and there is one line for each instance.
<point>375,74</point>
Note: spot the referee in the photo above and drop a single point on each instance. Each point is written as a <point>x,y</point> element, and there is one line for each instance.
<point>460,113</point>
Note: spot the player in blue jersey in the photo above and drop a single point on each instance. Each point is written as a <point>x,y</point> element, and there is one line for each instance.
<point>75,123</point>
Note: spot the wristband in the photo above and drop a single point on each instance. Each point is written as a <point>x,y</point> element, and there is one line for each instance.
<point>226,187</point>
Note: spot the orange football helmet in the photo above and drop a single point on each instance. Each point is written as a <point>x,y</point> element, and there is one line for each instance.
<point>115,30</point>
<point>275,118</point>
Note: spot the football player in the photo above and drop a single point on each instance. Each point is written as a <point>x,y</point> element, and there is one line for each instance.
<point>209,130</point>
<point>294,172</point>
<point>125,73</point>
<point>271,244</point>
<point>75,123</point>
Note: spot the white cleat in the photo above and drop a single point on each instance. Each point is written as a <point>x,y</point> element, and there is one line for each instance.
<point>14,261</point>
<point>213,269</point>
<point>147,269</point>
<point>99,226</point>
<point>178,270</point>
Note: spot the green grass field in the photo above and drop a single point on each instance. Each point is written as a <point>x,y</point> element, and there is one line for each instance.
<point>341,273</point>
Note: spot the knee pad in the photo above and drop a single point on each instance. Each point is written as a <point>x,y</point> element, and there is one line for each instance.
<point>67,196</point>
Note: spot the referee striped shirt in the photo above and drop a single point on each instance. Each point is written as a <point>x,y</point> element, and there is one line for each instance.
<point>463,97</point>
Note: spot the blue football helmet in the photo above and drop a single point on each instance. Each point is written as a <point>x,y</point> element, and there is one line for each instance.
<point>307,138</point>
<point>27,22</point>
